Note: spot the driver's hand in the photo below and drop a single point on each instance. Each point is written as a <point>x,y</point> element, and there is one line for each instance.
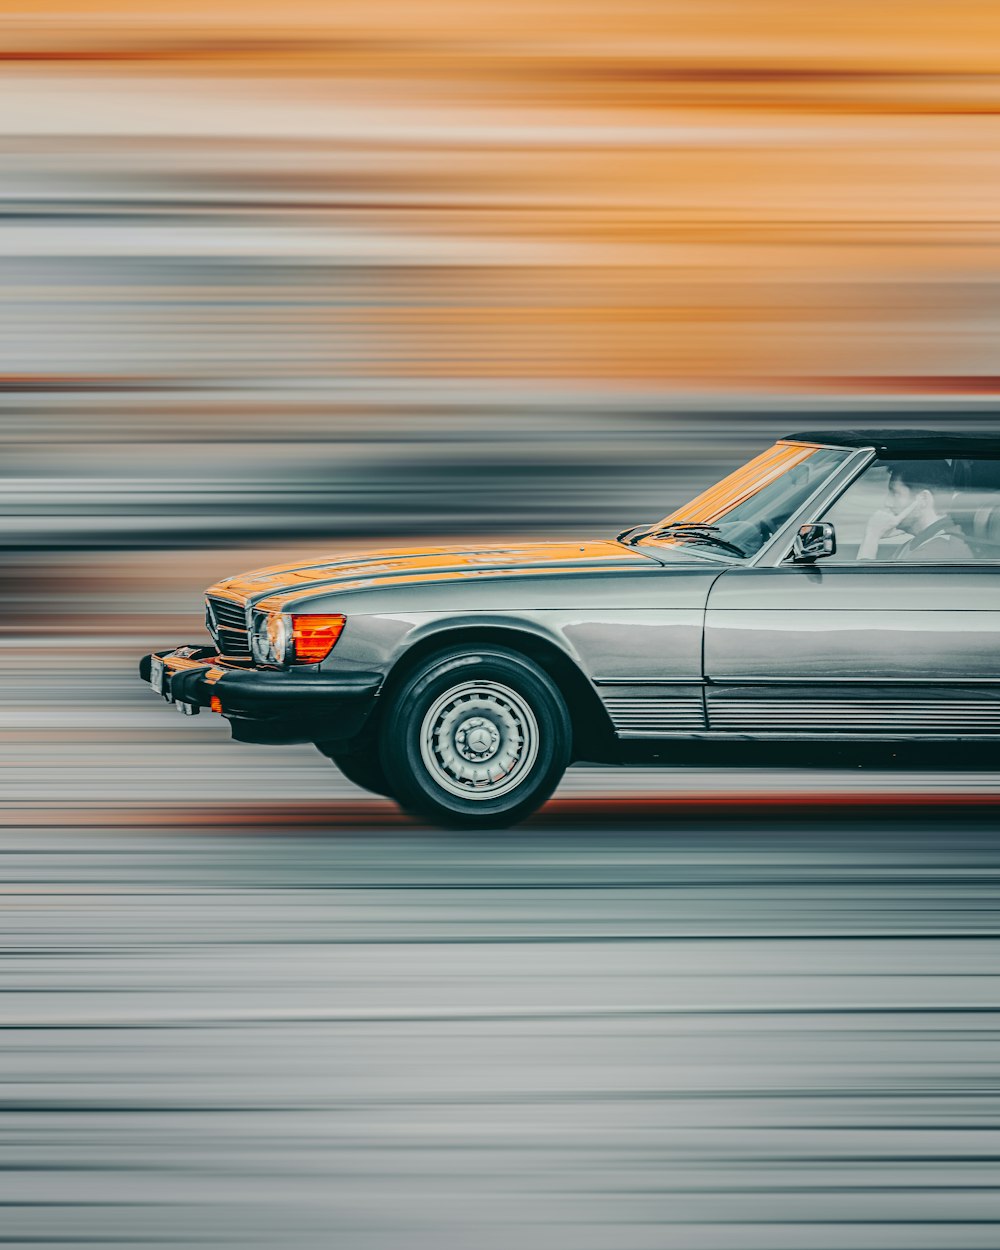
<point>880,524</point>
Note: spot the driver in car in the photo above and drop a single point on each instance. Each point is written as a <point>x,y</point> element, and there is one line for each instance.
<point>917,489</point>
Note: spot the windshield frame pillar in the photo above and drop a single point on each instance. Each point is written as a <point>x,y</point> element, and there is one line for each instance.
<point>775,550</point>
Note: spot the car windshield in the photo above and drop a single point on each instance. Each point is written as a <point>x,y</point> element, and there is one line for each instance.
<point>738,515</point>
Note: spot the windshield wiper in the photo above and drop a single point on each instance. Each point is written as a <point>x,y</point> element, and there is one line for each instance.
<point>694,532</point>
<point>632,533</point>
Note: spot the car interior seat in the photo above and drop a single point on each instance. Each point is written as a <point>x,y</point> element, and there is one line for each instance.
<point>975,506</point>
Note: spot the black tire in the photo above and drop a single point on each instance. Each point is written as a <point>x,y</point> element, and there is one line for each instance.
<point>476,738</point>
<point>363,767</point>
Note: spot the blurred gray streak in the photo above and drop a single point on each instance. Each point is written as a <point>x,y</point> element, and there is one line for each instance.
<point>209,341</point>
<point>742,1036</point>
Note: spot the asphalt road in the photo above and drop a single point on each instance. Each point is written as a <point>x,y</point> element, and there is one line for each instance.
<point>619,1034</point>
<point>242,1004</point>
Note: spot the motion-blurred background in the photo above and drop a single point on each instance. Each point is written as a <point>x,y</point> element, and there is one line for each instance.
<point>299,277</point>
<point>292,278</point>
<point>308,276</point>
<point>318,271</point>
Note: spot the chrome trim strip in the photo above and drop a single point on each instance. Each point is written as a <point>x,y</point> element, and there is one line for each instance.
<point>802,735</point>
<point>876,716</point>
<point>653,681</point>
<point>799,442</point>
<point>861,683</point>
<point>649,718</point>
<point>951,565</point>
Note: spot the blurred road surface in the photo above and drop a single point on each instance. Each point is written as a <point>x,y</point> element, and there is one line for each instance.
<point>243,1004</point>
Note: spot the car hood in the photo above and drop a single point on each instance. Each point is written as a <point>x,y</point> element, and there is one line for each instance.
<point>282,584</point>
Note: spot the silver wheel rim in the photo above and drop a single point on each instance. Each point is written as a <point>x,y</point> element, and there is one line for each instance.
<point>479,740</point>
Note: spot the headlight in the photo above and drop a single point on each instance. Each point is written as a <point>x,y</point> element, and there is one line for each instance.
<point>304,638</point>
<point>269,638</point>
<point>277,636</point>
<point>260,639</point>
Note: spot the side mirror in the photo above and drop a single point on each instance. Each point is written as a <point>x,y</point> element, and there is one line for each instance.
<point>814,541</point>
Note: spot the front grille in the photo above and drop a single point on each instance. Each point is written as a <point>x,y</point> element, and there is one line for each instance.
<point>230,633</point>
<point>228,613</point>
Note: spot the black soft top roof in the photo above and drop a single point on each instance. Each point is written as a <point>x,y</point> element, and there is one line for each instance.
<point>905,442</point>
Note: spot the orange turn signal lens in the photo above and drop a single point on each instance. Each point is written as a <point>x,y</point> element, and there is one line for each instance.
<point>314,636</point>
<point>215,703</point>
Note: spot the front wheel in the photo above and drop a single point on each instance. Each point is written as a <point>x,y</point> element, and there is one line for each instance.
<point>478,738</point>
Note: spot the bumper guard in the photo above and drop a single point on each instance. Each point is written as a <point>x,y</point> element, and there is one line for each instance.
<point>263,705</point>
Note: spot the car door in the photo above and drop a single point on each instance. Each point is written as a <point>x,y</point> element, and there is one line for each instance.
<point>875,649</point>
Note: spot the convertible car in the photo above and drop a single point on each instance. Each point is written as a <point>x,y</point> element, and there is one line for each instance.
<point>843,586</point>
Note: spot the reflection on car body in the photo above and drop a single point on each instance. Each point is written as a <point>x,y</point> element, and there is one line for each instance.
<point>840,586</point>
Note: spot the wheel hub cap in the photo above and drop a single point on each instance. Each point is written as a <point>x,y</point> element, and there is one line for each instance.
<point>479,740</point>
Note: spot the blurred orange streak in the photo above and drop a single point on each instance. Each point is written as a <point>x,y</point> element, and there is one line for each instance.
<point>330,818</point>
<point>738,38</point>
<point>668,192</point>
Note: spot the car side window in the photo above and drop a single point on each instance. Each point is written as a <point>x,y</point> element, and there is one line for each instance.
<point>920,511</point>
<point>852,511</point>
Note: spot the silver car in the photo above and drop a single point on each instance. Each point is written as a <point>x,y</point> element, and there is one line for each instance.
<point>841,586</point>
